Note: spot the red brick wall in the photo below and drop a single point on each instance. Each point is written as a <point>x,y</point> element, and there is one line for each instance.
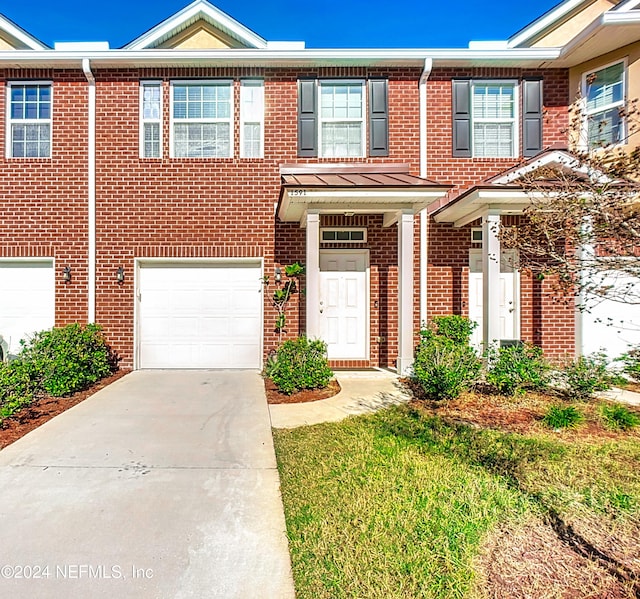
<point>225,207</point>
<point>44,200</point>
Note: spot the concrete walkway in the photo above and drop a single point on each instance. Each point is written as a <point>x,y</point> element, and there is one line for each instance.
<point>163,484</point>
<point>362,391</point>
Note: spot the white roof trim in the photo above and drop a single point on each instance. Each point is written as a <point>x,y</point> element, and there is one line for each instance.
<point>558,159</point>
<point>546,21</point>
<point>210,14</point>
<point>626,6</point>
<point>20,34</point>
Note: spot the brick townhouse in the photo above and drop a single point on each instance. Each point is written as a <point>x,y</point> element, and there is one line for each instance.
<point>160,189</point>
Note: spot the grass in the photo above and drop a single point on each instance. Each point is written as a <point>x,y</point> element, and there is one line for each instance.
<point>402,503</point>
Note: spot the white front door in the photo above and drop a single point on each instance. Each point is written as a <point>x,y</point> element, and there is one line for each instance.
<point>344,292</point>
<point>509,297</point>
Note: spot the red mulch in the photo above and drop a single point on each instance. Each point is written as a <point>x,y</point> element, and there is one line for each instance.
<point>46,408</point>
<point>274,396</point>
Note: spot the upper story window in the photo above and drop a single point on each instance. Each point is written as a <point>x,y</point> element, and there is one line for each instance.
<point>604,97</point>
<point>202,119</point>
<point>337,116</point>
<point>29,120</point>
<point>342,129</point>
<point>252,118</point>
<point>489,114</point>
<point>493,114</point>
<point>151,119</point>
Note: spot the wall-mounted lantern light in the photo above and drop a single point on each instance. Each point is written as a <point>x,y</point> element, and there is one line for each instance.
<point>278,276</point>
<point>120,275</point>
<point>66,274</point>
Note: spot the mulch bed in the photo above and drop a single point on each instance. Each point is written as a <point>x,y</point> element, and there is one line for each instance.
<point>275,397</point>
<point>45,408</point>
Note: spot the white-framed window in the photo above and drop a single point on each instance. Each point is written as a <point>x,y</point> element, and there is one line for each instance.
<point>29,119</point>
<point>343,235</point>
<point>476,234</point>
<point>252,118</point>
<point>150,119</point>
<point>494,118</point>
<point>202,119</point>
<point>342,119</point>
<point>604,97</point>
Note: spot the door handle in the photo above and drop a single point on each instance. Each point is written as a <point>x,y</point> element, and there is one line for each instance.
<point>321,307</point>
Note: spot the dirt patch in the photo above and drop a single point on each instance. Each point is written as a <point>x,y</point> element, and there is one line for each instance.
<point>46,408</point>
<point>531,561</point>
<point>275,397</point>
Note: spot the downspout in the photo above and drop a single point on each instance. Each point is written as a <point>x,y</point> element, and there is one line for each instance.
<point>422,90</point>
<point>91,189</point>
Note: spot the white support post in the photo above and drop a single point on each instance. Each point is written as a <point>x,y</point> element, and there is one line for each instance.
<point>490,279</point>
<point>312,269</point>
<point>405,292</point>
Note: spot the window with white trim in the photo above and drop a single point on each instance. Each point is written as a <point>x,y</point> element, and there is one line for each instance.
<point>29,119</point>
<point>604,97</point>
<point>151,119</point>
<point>341,119</point>
<point>494,119</point>
<point>202,119</point>
<point>251,118</point>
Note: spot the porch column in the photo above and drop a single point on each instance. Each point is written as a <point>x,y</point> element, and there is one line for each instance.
<point>490,279</point>
<point>312,269</point>
<point>405,292</point>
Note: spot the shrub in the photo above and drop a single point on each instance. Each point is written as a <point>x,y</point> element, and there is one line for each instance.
<point>562,417</point>
<point>300,364</point>
<point>67,359</point>
<point>443,369</point>
<point>631,361</point>
<point>619,417</point>
<point>517,368</point>
<point>585,376</point>
<point>454,327</point>
<point>17,387</point>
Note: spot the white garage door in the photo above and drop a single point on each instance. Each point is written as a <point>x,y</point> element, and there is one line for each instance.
<point>200,315</point>
<point>27,300</point>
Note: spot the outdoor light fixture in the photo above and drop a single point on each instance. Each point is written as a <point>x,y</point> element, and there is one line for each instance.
<point>349,213</point>
<point>66,274</point>
<point>120,275</point>
<point>278,276</point>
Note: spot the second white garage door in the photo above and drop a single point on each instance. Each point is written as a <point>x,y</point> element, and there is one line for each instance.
<point>199,315</point>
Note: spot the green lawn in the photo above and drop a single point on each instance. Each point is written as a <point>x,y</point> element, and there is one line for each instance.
<point>400,504</point>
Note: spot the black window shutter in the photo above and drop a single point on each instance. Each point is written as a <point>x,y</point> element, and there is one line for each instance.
<point>461,92</point>
<point>307,117</point>
<point>531,116</point>
<point>378,117</point>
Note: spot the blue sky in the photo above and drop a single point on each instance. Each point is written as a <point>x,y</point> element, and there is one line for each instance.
<point>321,24</point>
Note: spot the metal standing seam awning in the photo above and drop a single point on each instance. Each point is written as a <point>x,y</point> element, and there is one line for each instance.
<point>386,189</point>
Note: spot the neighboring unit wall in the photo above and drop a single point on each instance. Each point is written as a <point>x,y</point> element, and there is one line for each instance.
<point>544,320</point>
<point>45,202</point>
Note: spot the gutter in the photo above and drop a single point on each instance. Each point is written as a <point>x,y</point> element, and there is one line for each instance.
<point>422,91</point>
<point>91,190</point>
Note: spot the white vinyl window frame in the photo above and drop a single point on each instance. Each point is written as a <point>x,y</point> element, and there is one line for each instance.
<point>150,120</point>
<point>173,121</point>
<point>512,121</point>
<point>590,113</point>
<point>251,116</point>
<point>10,122</point>
<point>362,119</point>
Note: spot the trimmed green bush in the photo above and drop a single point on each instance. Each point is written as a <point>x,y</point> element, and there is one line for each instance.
<point>631,361</point>
<point>300,364</point>
<point>585,376</point>
<point>562,417</point>
<point>454,327</point>
<point>67,359</point>
<point>619,417</point>
<point>516,369</point>
<point>17,387</point>
<point>444,369</point>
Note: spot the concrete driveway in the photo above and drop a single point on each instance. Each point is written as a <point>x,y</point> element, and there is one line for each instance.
<point>164,484</point>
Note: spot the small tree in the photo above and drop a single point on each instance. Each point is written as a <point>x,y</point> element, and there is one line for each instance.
<point>283,292</point>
